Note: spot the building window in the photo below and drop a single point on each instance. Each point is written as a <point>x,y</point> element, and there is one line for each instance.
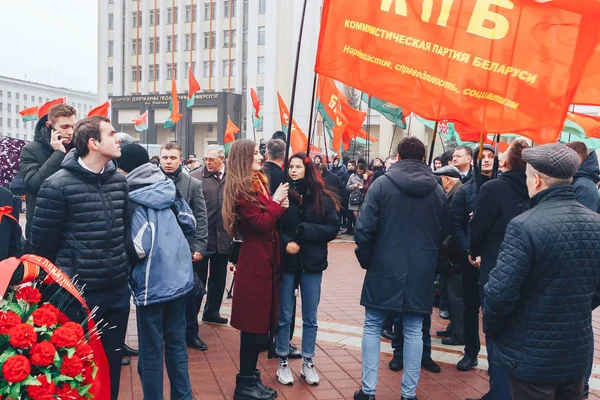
<point>171,43</point>
<point>261,65</point>
<point>17,96</point>
<point>8,123</point>
<point>172,15</point>
<point>262,6</point>
<point>110,48</point>
<point>136,20</point>
<point>9,95</point>
<point>261,35</point>
<point>210,69</point>
<point>189,13</point>
<point>260,91</point>
<point>170,73</point>
<point>228,5</point>
<point>1,121</point>
<point>227,37</point>
<point>40,100</point>
<point>136,73</point>
<point>226,71</point>
<point>153,73</point>
<point>209,11</point>
<point>16,123</point>
<point>9,107</point>
<point>1,93</point>
<point>111,21</point>
<point>187,69</point>
<point>210,40</point>
<point>190,42</point>
<point>110,74</point>
<point>136,46</point>
<point>154,17</point>
<point>151,45</point>
<point>25,97</point>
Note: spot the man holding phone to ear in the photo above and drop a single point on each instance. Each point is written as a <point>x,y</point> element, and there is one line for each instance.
<point>43,157</point>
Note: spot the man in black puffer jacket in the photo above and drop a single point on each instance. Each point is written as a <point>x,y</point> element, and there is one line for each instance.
<point>79,225</point>
<point>586,179</point>
<point>461,210</point>
<point>538,300</point>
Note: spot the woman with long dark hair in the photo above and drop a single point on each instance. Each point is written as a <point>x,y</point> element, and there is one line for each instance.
<point>309,224</point>
<point>251,214</point>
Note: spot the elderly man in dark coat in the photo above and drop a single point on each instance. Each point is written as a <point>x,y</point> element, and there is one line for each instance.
<point>538,300</point>
<point>400,255</point>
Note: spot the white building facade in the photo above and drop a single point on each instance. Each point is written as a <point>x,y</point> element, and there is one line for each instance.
<point>17,95</point>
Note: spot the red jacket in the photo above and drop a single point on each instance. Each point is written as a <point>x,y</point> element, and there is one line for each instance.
<point>258,273</point>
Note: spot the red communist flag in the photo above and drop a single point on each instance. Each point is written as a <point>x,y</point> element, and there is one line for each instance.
<point>298,139</point>
<point>588,91</point>
<point>496,65</point>
<point>45,108</point>
<point>101,110</point>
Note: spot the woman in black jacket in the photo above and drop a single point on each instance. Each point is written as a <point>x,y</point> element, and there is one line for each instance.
<point>308,225</point>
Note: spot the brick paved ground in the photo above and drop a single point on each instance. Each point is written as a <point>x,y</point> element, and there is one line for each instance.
<point>338,358</point>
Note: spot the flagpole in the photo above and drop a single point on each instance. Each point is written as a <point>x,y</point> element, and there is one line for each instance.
<point>409,122</point>
<point>369,133</point>
<point>295,81</point>
<point>572,110</point>
<point>310,118</point>
<point>325,143</point>
<point>435,129</point>
<point>392,141</point>
<point>253,129</point>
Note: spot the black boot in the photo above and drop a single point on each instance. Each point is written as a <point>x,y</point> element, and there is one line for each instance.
<point>265,389</point>
<point>360,395</point>
<point>246,388</point>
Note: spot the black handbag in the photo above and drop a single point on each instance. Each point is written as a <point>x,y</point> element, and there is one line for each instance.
<point>234,250</point>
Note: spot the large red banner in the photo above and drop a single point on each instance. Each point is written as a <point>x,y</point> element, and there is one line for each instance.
<point>500,66</point>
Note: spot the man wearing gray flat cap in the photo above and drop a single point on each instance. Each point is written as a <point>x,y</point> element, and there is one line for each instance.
<point>538,300</point>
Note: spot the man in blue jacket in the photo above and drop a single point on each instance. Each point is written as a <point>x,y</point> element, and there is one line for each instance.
<point>538,299</point>
<point>587,177</point>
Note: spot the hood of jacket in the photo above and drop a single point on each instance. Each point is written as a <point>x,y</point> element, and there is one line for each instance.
<point>42,132</point>
<point>413,177</point>
<point>517,180</point>
<point>589,168</point>
<point>71,163</point>
<point>156,191</point>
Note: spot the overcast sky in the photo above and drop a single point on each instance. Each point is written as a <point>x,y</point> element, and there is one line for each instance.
<point>50,41</point>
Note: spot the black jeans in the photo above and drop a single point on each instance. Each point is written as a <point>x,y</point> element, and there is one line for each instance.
<point>398,341</point>
<point>113,314</point>
<point>216,282</point>
<point>454,288</point>
<point>162,327</point>
<point>471,317</point>
<point>522,390</point>
<point>250,346</point>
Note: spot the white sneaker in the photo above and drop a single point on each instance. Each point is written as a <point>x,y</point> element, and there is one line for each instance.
<point>284,373</point>
<point>309,373</point>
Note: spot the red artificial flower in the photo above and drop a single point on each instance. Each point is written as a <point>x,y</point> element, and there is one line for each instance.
<point>50,307</point>
<point>7,321</point>
<point>64,337</point>
<point>84,350</point>
<point>22,336</point>
<point>45,391</point>
<point>71,366</point>
<point>76,328</point>
<point>30,294</point>
<point>62,318</point>
<point>42,354</point>
<point>87,373</point>
<point>16,369</point>
<point>44,317</point>
<point>65,392</point>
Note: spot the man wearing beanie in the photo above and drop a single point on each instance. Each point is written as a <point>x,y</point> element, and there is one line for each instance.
<point>538,299</point>
<point>161,276</point>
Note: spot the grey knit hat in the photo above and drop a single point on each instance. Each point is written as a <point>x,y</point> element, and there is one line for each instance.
<point>555,160</point>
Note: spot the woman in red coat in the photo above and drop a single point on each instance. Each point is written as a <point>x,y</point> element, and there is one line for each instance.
<point>250,214</point>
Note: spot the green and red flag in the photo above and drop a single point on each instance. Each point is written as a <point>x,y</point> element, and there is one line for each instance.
<point>194,87</point>
<point>101,110</point>
<point>230,133</point>
<point>141,122</point>
<point>29,114</point>
<point>45,108</point>
<point>390,111</point>
<point>583,125</point>
<point>256,106</point>
<point>298,139</point>
<point>173,107</point>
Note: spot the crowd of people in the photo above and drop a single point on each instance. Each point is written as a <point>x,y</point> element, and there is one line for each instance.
<point>514,235</point>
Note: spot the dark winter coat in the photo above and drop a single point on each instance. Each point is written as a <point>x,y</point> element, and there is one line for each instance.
<point>10,231</point>
<point>275,174</point>
<point>398,233</point>
<point>340,171</point>
<point>311,232</point>
<point>451,256</point>
<point>461,206</point>
<point>258,274</point>
<point>219,240</point>
<point>539,296</point>
<point>79,224</point>
<point>38,162</point>
<point>333,183</point>
<point>585,183</point>
<point>498,202</point>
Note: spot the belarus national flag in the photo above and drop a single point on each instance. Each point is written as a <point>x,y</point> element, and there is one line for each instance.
<point>230,133</point>
<point>45,108</point>
<point>141,122</point>
<point>29,114</point>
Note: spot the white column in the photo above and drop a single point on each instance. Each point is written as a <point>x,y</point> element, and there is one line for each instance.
<point>199,52</point>
<point>180,57</point>
<point>119,38</point>
<point>163,47</point>
<point>239,28</point>
<point>271,121</point>
<point>127,40</point>
<point>102,50</point>
<point>218,53</point>
<point>144,54</point>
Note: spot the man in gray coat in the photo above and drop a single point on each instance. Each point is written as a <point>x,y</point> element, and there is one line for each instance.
<point>212,177</point>
<point>190,189</point>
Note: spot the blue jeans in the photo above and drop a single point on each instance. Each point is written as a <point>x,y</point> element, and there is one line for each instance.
<point>162,326</point>
<point>413,350</point>
<point>310,289</point>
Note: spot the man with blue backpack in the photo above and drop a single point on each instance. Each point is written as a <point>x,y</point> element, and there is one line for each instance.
<point>161,275</point>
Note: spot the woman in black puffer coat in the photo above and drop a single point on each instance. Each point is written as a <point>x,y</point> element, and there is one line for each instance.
<point>309,224</point>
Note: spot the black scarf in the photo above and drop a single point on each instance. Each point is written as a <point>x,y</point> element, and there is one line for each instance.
<point>173,175</point>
